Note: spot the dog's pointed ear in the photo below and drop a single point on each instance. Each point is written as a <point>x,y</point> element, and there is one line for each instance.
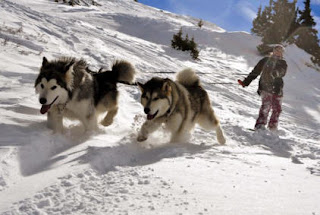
<point>141,86</point>
<point>44,61</point>
<point>69,67</point>
<point>166,88</point>
<point>69,74</point>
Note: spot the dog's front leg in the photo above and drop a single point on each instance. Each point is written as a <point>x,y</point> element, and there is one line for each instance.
<point>54,120</point>
<point>148,127</point>
<point>90,123</point>
<point>177,126</point>
<point>88,117</point>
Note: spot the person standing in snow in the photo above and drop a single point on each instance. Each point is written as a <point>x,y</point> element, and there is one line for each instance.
<point>271,70</point>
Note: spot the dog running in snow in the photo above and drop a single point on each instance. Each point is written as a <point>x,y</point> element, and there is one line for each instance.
<point>179,105</point>
<point>67,88</point>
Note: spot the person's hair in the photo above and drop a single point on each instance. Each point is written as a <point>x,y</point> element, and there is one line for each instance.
<point>277,47</point>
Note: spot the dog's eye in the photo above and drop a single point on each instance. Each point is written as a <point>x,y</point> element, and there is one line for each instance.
<point>42,86</point>
<point>53,88</point>
<point>144,96</point>
<point>155,99</point>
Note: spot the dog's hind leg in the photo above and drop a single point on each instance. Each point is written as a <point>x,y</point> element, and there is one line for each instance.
<point>108,119</point>
<point>110,104</point>
<point>209,121</point>
<point>220,136</point>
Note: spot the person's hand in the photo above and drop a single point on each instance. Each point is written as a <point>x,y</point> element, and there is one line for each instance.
<point>241,83</point>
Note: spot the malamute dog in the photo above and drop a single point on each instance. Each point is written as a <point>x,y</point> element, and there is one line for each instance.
<point>67,88</point>
<point>179,105</point>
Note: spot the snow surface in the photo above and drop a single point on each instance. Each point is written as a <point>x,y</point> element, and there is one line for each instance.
<point>108,172</point>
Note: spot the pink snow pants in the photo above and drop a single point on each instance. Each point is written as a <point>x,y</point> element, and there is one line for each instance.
<point>269,101</point>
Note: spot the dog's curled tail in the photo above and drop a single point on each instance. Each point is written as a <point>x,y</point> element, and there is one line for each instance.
<point>188,77</point>
<point>124,71</point>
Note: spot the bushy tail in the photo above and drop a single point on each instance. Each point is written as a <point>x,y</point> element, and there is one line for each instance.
<point>188,77</point>
<point>124,71</point>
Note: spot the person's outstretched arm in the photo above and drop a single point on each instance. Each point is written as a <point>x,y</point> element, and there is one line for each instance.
<point>254,74</point>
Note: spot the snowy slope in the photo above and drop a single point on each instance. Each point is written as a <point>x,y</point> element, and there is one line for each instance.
<point>108,172</point>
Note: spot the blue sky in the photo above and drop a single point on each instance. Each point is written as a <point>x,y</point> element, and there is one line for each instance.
<point>232,15</point>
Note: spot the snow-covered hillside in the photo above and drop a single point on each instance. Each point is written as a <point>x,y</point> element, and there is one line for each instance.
<point>108,172</point>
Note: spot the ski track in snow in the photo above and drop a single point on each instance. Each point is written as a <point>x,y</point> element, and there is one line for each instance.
<point>107,171</point>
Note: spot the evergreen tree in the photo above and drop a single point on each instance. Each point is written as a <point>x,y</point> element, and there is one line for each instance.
<point>281,15</point>
<point>194,49</point>
<point>263,20</point>
<point>185,44</point>
<point>200,23</point>
<point>293,28</point>
<point>177,40</point>
<point>306,18</point>
<point>307,36</point>
<point>282,18</point>
<point>256,23</point>
<point>279,22</point>
<point>316,57</point>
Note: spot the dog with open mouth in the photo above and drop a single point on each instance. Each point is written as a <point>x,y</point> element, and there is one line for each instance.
<point>178,105</point>
<point>67,88</point>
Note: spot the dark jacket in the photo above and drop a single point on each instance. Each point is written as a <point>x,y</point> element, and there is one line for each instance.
<point>271,69</point>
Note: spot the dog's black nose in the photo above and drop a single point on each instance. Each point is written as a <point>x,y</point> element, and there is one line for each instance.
<point>43,101</point>
<point>146,110</point>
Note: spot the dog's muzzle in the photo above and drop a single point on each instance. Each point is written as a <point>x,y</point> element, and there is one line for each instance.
<point>45,108</point>
<point>152,116</point>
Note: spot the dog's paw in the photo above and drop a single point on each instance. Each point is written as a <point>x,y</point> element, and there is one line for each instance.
<point>221,140</point>
<point>220,136</point>
<point>141,138</point>
<point>106,122</point>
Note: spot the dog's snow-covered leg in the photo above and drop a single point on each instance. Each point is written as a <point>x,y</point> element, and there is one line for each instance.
<point>88,117</point>
<point>90,123</point>
<point>178,128</point>
<point>209,121</point>
<point>220,136</point>
<point>147,128</point>
<point>180,137</point>
<point>108,119</point>
<point>54,120</point>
